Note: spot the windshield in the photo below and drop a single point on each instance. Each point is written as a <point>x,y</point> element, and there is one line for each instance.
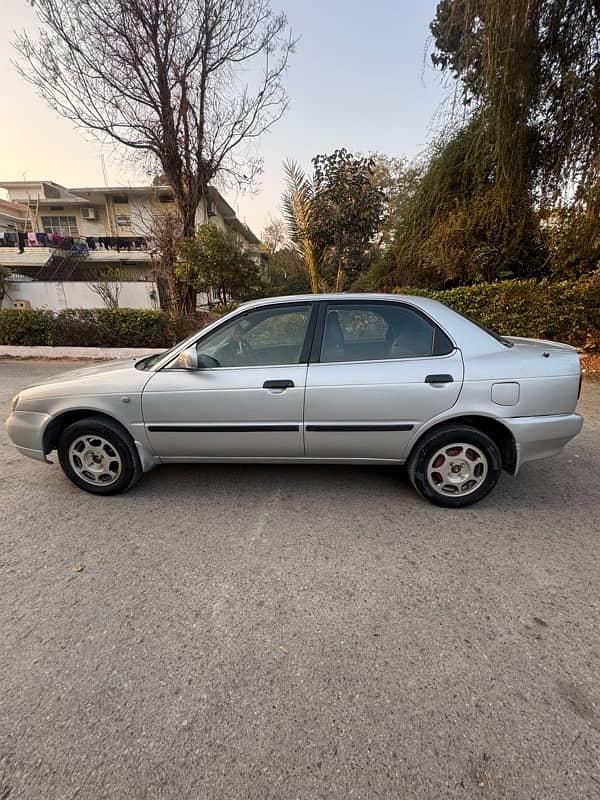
<point>150,361</point>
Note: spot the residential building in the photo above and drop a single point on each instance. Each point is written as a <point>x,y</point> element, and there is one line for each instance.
<point>13,218</point>
<point>72,233</point>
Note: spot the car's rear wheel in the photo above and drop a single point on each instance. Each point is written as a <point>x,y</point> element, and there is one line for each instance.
<point>98,456</point>
<point>455,466</point>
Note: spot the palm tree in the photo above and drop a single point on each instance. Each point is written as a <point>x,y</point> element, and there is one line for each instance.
<point>297,210</point>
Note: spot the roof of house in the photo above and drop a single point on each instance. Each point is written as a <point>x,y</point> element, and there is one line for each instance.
<point>13,210</point>
<point>55,193</point>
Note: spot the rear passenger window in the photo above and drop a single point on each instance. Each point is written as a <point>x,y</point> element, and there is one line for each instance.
<point>377,331</point>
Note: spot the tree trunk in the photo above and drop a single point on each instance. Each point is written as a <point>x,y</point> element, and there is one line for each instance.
<point>183,294</point>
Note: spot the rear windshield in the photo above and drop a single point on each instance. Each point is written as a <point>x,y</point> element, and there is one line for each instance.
<point>503,340</point>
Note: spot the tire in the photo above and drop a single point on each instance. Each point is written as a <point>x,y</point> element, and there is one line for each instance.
<point>454,466</point>
<point>98,456</point>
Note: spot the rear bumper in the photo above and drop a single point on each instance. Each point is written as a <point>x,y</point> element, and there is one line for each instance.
<point>541,437</point>
<point>25,429</point>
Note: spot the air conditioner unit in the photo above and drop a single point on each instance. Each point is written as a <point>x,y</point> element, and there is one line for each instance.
<point>89,213</point>
<point>212,209</point>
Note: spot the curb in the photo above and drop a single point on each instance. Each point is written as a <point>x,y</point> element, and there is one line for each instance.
<point>76,353</point>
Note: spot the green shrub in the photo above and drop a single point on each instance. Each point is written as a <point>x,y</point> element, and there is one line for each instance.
<point>567,311</point>
<point>75,327</point>
<point>98,327</point>
<point>25,326</point>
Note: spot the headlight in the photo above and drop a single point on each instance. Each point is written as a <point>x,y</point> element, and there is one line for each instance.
<point>15,402</point>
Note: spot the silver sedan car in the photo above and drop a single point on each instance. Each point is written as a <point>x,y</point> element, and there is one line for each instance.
<point>336,379</point>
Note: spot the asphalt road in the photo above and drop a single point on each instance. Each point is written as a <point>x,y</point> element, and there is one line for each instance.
<point>299,632</point>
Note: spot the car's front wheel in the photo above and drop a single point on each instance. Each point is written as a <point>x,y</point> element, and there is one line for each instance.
<point>455,466</point>
<point>98,456</point>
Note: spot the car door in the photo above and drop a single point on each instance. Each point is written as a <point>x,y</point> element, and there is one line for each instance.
<point>246,398</point>
<point>378,371</point>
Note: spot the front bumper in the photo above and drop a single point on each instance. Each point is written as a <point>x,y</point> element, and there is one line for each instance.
<point>541,437</point>
<point>25,429</point>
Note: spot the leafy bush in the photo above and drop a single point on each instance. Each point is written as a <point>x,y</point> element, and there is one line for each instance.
<point>25,327</point>
<point>567,311</point>
<point>111,327</point>
<point>97,327</point>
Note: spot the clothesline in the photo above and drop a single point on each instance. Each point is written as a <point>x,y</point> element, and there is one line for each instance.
<point>55,240</point>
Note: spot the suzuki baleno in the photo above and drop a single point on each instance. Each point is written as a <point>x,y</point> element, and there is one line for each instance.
<point>336,379</point>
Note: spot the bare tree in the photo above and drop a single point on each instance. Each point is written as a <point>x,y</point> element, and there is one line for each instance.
<point>166,232</point>
<point>108,287</point>
<point>187,82</point>
<point>274,235</point>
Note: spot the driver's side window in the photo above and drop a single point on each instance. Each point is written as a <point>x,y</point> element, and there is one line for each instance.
<point>261,337</point>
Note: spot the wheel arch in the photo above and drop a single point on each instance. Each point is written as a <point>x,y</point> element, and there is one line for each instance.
<point>62,420</point>
<point>65,418</point>
<point>500,434</point>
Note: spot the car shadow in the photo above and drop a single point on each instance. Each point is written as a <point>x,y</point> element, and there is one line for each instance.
<point>539,487</point>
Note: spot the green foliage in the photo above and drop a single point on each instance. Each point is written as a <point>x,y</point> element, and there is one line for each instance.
<point>572,237</point>
<point>286,273</point>
<point>529,73</point>
<point>567,311</point>
<point>110,327</point>
<point>455,226</point>
<point>347,209</point>
<point>212,260</point>
<point>398,180</point>
<point>97,327</point>
<point>25,326</point>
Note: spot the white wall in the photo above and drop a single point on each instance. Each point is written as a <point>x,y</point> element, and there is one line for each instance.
<point>56,295</point>
<point>9,223</point>
<point>92,227</point>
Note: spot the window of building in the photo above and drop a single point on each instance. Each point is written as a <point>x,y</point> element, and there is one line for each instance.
<point>57,208</point>
<point>123,220</point>
<point>63,226</point>
<point>120,199</point>
<point>165,198</point>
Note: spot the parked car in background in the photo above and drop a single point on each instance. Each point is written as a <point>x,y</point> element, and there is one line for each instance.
<point>332,379</point>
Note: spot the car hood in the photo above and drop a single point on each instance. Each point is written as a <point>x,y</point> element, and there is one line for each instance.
<point>106,369</point>
<point>114,377</point>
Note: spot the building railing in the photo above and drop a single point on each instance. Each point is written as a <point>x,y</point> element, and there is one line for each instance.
<point>57,241</point>
<point>84,273</point>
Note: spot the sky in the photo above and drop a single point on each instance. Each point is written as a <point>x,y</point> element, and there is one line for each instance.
<point>360,79</point>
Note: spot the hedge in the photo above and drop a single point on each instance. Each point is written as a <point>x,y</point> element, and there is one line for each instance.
<point>568,311</point>
<point>100,327</point>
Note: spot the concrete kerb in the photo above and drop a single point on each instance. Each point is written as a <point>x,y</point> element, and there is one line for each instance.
<point>74,353</point>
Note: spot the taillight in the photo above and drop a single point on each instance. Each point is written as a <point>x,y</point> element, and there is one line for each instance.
<point>580,383</point>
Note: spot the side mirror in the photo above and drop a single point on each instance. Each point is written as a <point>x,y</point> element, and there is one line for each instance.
<point>188,359</point>
<point>207,362</point>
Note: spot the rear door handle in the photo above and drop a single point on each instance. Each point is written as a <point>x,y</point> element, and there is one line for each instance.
<point>286,383</point>
<point>439,379</point>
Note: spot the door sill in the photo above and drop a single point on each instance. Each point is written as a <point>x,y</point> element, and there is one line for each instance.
<point>261,460</point>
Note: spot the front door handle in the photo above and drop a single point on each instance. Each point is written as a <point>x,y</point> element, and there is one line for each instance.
<point>439,379</point>
<point>286,383</point>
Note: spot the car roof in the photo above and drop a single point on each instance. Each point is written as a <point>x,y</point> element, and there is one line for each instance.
<point>416,300</point>
<point>437,309</point>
